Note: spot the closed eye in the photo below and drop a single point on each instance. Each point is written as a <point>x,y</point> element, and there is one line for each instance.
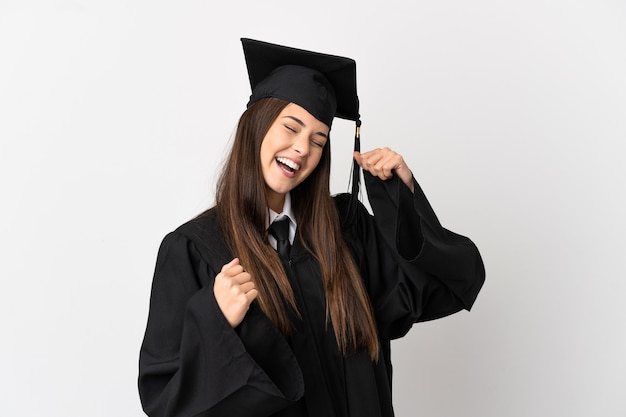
<point>318,143</point>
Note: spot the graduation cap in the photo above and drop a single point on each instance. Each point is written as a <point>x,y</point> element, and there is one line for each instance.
<point>322,84</point>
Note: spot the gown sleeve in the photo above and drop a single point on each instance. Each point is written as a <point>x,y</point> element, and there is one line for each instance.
<point>414,269</point>
<point>193,363</point>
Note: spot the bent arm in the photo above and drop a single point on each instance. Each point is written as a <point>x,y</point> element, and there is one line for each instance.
<point>192,362</point>
<point>415,269</point>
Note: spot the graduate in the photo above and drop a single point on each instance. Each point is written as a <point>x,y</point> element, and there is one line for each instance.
<point>282,300</point>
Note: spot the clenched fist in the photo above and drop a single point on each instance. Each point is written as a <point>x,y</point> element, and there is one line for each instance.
<point>234,291</point>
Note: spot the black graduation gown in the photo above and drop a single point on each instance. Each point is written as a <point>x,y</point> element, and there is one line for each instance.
<point>193,363</point>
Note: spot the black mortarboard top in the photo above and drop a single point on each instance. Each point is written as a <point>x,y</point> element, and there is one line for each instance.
<point>324,85</point>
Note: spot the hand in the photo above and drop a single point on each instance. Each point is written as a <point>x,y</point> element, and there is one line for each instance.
<point>383,162</point>
<point>234,292</point>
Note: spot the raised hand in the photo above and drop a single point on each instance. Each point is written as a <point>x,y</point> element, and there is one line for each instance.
<point>234,291</point>
<point>382,163</point>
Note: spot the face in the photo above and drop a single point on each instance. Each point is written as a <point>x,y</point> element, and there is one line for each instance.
<point>290,151</point>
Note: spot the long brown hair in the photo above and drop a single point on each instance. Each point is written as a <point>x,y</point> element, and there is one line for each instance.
<point>241,206</point>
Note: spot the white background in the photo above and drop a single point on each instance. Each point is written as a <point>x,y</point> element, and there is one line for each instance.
<point>115,116</point>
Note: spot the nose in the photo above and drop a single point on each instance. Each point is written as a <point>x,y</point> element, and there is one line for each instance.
<point>302,145</point>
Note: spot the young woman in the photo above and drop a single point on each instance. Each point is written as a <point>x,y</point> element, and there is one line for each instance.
<point>246,320</point>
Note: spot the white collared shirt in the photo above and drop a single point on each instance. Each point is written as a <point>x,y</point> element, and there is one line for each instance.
<point>287,212</point>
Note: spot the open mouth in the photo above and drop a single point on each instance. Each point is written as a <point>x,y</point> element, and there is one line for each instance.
<point>287,164</point>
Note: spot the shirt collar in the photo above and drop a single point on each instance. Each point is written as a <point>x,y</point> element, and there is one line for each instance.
<point>287,212</point>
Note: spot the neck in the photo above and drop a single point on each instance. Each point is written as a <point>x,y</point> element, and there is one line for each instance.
<point>276,202</point>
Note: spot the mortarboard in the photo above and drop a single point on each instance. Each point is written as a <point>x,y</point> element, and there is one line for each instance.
<point>323,84</point>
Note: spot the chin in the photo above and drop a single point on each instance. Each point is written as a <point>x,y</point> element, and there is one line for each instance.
<point>280,190</point>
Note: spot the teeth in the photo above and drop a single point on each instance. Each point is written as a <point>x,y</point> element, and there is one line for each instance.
<point>289,163</point>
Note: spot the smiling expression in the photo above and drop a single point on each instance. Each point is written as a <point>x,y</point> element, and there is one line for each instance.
<point>290,151</point>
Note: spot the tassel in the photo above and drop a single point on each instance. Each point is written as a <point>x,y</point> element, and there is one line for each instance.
<point>356,175</point>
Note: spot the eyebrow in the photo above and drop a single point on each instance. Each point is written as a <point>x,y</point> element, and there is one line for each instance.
<point>301,123</point>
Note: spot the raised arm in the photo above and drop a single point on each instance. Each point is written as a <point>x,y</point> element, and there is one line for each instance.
<point>193,362</point>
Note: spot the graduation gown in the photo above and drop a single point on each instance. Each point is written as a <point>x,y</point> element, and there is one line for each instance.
<point>193,363</point>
